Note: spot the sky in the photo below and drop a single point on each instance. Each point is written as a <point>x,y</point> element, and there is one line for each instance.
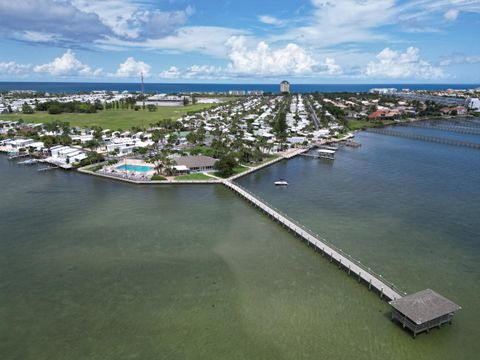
<point>241,41</point>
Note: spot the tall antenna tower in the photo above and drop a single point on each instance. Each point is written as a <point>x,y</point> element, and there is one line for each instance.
<point>143,95</point>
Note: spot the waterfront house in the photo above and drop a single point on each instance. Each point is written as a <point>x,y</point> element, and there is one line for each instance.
<point>65,156</point>
<point>196,163</point>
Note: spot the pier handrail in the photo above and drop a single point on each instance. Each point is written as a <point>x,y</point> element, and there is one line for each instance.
<point>414,136</point>
<point>314,234</point>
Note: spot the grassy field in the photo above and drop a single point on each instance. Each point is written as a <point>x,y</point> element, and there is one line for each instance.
<point>362,124</point>
<point>197,176</point>
<point>237,170</point>
<point>110,119</point>
<point>267,159</point>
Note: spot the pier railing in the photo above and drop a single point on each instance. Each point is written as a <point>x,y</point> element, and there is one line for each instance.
<point>458,128</point>
<point>365,268</point>
<point>413,136</point>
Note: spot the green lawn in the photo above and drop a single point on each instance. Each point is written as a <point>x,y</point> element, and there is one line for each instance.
<point>111,119</point>
<point>267,159</point>
<point>236,170</point>
<point>196,176</point>
<point>158,178</point>
<point>361,124</point>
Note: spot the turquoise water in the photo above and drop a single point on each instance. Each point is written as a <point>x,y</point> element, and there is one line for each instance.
<point>139,168</point>
<point>95,269</point>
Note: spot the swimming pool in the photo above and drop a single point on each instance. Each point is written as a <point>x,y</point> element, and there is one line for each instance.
<point>139,168</point>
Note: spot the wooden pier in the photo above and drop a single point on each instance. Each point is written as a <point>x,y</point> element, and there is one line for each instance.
<point>458,128</point>
<point>343,260</point>
<point>413,136</point>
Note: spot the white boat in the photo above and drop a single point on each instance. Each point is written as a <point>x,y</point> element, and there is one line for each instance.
<point>329,147</point>
<point>281,183</point>
<point>326,154</point>
<point>28,162</point>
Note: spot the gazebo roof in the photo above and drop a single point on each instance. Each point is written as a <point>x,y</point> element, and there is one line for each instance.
<point>424,306</point>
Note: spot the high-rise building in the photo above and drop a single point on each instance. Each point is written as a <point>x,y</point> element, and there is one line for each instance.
<point>284,86</point>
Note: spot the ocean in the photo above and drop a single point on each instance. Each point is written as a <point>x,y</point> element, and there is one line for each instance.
<point>68,87</point>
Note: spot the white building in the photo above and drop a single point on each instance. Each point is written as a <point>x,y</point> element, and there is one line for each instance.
<point>473,103</point>
<point>65,156</point>
<point>284,86</point>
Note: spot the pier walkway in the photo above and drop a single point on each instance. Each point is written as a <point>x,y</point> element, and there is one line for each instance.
<point>468,130</point>
<point>344,261</point>
<point>413,136</point>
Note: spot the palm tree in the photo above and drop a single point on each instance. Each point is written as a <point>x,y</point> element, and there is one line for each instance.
<point>163,164</point>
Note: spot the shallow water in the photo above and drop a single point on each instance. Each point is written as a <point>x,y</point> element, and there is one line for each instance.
<point>95,269</point>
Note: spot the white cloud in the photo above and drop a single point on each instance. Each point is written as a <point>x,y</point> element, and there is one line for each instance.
<point>452,14</point>
<point>172,73</point>
<point>329,67</point>
<point>394,64</point>
<point>206,72</point>
<point>67,65</point>
<point>195,72</point>
<point>262,60</point>
<point>64,23</point>
<point>12,68</point>
<point>461,59</point>
<point>132,68</point>
<point>419,15</point>
<point>209,40</point>
<point>259,61</point>
<point>342,21</point>
<point>133,19</point>
<point>270,20</point>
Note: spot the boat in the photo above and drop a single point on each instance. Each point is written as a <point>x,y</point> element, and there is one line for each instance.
<point>281,182</point>
<point>329,147</point>
<point>326,154</point>
<point>28,162</point>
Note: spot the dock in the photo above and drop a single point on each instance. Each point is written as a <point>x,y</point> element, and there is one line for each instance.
<point>344,261</point>
<point>413,136</point>
<point>18,156</point>
<point>458,128</point>
<point>48,168</point>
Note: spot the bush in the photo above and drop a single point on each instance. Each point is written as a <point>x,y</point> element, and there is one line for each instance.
<point>225,165</point>
<point>92,158</point>
<point>95,168</point>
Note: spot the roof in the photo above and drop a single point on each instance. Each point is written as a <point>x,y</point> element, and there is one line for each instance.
<point>196,161</point>
<point>424,306</point>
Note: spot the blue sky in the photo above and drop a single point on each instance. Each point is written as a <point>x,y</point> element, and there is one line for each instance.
<point>309,41</point>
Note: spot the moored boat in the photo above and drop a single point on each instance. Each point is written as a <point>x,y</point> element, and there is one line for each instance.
<point>281,182</point>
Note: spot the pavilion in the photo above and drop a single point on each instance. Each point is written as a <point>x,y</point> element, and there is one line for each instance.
<point>423,311</point>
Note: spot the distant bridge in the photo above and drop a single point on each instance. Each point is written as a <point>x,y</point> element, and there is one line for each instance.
<point>413,136</point>
<point>457,128</point>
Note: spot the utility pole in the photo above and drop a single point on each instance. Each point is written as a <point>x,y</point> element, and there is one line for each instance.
<point>143,95</point>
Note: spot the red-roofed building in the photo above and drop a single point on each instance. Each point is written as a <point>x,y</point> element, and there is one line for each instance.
<point>384,115</point>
